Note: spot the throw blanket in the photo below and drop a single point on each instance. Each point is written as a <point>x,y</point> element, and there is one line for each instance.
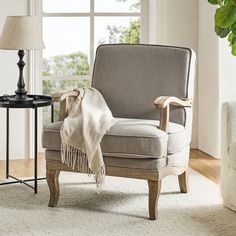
<point>82,132</point>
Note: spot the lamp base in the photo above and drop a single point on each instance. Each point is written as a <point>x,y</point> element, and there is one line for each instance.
<point>21,100</point>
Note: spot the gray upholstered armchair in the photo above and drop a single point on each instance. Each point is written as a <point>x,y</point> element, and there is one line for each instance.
<point>149,89</point>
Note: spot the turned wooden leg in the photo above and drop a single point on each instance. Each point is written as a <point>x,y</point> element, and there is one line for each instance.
<point>154,192</point>
<point>53,184</point>
<point>183,182</point>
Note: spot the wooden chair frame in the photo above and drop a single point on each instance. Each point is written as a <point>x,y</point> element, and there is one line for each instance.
<point>154,178</point>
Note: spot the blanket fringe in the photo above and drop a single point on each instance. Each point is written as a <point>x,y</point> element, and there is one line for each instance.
<point>75,158</point>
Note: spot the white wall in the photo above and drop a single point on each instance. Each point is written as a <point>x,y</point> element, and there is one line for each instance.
<point>227,85</point>
<point>208,82</point>
<point>227,73</point>
<point>9,77</point>
<point>177,24</point>
<point>217,81</point>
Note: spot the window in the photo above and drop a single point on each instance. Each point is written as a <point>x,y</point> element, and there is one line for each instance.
<point>72,30</point>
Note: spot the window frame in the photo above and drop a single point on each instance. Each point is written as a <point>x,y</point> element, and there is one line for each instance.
<point>143,14</point>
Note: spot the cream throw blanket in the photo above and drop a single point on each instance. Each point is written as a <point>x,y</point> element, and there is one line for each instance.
<point>82,132</point>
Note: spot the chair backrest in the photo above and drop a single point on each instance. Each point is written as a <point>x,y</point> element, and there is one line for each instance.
<point>131,76</point>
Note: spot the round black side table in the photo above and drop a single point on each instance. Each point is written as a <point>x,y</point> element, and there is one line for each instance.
<point>38,101</point>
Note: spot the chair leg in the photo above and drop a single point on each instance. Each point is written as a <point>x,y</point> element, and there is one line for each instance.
<point>154,192</point>
<point>53,184</point>
<point>183,182</point>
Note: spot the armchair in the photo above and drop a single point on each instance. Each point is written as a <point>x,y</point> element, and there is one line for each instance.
<point>228,152</point>
<point>151,137</point>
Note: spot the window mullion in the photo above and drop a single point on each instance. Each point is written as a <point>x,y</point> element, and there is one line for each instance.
<point>89,14</point>
<point>144,22</point>
<point>92,14</point>
<point>66,14</point>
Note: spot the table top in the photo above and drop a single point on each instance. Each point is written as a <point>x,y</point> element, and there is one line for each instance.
<point>38,101</point>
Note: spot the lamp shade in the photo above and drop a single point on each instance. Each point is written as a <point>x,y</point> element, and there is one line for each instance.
<point>21,33</point>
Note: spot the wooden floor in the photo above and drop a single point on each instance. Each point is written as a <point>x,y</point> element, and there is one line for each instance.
<point>24,168</point>
<point>205,165</point>
<point>199,161</point>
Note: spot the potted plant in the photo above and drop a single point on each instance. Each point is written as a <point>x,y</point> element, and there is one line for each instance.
<point>225,21</point>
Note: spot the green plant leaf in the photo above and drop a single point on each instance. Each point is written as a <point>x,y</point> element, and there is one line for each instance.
<point>225,21</point>
<point>233,49</point>
<point>221,32</point>
<point>215,2</point>
<point>232,39</point>
<point>233,28</point>
<point>232,43</point>
<point>226,15</point>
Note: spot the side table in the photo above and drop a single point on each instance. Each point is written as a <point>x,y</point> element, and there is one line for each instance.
<point>38,101</point>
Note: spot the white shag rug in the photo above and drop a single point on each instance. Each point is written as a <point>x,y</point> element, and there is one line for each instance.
<point>120,209</point>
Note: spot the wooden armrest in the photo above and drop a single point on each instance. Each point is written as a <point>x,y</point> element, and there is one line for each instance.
<point>62,95</point>
<point>164,103</point>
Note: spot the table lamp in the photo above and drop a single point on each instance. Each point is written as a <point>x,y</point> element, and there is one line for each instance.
<point>21,33</point>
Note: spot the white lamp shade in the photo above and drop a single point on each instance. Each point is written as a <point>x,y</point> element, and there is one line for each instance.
<point>21,33</point>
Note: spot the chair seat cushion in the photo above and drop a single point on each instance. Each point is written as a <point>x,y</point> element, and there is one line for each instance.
<point>176,160</point>
<point>129,138</point>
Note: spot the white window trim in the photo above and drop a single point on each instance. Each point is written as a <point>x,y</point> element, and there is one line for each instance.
<point>35,82</point>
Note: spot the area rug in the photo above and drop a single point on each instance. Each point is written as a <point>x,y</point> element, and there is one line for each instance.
<point>120,209</point>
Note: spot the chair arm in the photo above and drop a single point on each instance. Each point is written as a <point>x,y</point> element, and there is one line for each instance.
<point>63,97</point>
<point>163,103</point>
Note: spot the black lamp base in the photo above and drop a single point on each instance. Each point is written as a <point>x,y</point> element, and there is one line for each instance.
<point>21,93</point>
<point>21,100</point>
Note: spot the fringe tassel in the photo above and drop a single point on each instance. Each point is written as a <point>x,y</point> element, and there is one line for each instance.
<point>100,178</point>
<point>76,158</point>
